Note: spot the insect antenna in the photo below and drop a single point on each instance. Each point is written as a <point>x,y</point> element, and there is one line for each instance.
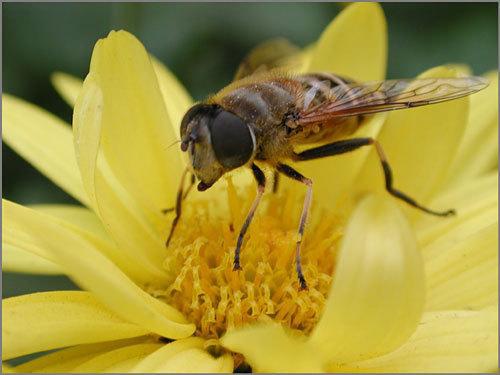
<point>174,143</point>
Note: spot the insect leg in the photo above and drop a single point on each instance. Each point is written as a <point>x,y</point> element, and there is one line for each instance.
<point>261,184</point>
<point>181,195</point>
<point>276,181</point>
<point>292,173</point>
<point>191,184</point>
<point>341,147</point>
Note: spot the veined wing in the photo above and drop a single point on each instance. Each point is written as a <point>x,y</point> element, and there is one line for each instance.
<point>372,97</point>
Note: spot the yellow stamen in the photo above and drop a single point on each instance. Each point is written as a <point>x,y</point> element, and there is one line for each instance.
<point>215,298</point>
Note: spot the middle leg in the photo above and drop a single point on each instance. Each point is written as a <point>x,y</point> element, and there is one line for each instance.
<point>292,173</point>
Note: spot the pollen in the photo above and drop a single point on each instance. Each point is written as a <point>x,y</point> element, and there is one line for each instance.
<point>216,298</point>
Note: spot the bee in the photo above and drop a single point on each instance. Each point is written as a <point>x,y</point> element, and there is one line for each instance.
<point>266,113</point>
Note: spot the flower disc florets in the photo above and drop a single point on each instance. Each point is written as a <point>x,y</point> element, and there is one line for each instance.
<point>216,298</point>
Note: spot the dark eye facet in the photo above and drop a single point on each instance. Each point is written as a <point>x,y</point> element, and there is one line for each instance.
<point>232,140</point>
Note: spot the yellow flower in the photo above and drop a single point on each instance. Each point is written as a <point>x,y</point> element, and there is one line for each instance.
<point>391,290</point>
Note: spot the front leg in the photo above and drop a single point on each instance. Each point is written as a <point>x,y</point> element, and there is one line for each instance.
<point>261,184</point>
<point>190,186</point>
<point>292,173</point>
<point>276,182</point>
<point>181,195</point>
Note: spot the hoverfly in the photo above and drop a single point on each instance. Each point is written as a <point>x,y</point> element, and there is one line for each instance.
<point>266,113</point>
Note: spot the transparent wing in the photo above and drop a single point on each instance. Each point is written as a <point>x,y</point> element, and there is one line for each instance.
<point>268,55</point>
<point>372,97</point>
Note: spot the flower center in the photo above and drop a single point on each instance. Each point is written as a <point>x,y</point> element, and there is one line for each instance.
<point>216,298</point>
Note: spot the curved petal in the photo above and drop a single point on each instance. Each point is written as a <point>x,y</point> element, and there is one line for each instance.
<point>269,348</point>
<point>462,270</point>
<point>18,235</point>
<point>49,320</point>
<point>94,272</point>
<point>177,100</point>
<point>67,86</point>
<point>377,293</point>
<point>87,224</point>
<point>44,141</point>
<point>445,341</point>
<point>461,254</point>
<point>474,201</point>
<point>135,127</point>
<point>161,356</point>
<point>118,360</point>
<point>420,144</point>
<point>196,361</point>
<point>119,213</point>
<point>478,152</point>
<point>15,259</point>
<point>65,360</point>
<point>86,135</point>
<point>78,216</point>
<point>354,44</point>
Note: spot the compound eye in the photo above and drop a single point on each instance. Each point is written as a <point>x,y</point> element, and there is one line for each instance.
<point>232,140</point>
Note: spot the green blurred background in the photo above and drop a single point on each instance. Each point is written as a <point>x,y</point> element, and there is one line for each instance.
<point>202,44</point>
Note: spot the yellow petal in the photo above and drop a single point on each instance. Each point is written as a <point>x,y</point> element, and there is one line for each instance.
<point>15,259</point>
<point>269,348</point>
<point>6,369</point>
<point>135,127</point>
<point>462,69</point>
<point>66,360</point>
<point>78,222</point>
<point>475,202</point>
<point>196,361</point>
<point>67,86</point>
<point>461,254</point>
<point>96,273</point>
<point>118,360</point>
<point>445,341</point>
<point>16,235</point>
<point>462,270</point>
<point>43,321</point>
<point>377,293</point>
<point>86,130</point>
<point>177,100</point>
<point>162,355</point>
<point>119,213</point>
<point>87,224</point>
<point>44,141</point>
<point>78,216</point>
<point>478,152</point>
<point>420,144</point>
<point>354,44</point>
